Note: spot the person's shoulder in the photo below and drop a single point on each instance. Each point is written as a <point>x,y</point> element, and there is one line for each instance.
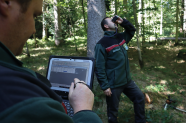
<point>103,40</point>
<point>4,70</point>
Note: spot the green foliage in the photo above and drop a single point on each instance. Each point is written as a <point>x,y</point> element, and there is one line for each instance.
<point>71,17</point>
<point>157,116</point>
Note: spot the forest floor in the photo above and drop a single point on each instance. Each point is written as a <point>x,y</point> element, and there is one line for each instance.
<point>163,75</point>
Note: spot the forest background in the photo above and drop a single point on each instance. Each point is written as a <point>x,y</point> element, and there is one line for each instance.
<point>157,52</point>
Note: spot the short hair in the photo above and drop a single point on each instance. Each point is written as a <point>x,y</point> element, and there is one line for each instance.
<point>24,4</point>
<point>103,22</point>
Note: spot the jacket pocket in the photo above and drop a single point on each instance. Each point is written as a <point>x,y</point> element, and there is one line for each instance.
<point>120,77</point>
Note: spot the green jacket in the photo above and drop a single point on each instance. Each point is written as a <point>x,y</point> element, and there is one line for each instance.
<point>25,98</point>
<point>112,64</point>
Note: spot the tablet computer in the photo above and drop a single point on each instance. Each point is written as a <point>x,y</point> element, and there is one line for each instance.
<point>63,69</point>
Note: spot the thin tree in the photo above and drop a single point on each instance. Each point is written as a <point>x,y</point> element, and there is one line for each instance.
<point>34,36</point>
<point>161,23</point>
<point>140,16</point>
<point>116,7</point>
<point>27,50</point>
<point>184,18</point>
<point>143,22</point>
<point>85,26</point>
<point>125,9</point>
<point>177,12</point>
<point>45,36</point>
<point>137,35</point>
<point>57,23</point>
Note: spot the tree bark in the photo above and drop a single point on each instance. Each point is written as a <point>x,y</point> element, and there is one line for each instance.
<point>143,22</point>
<point>116,7</point>
<point>57,24</point>
<point>184,20</point>
<point>182,16</point>
<point>137,35</point>
<point>125,5</point>
<point>27,50</point>
<point>34,36</point>
<point>177,12</point>
<point>96,12</point>
<point>45,36</point>
<point>125,9</point>
<point>161,23</point>
<point>85,26</point>
<point>140,16</point>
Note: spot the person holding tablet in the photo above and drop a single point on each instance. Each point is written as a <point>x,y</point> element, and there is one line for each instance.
<point>25,96</point>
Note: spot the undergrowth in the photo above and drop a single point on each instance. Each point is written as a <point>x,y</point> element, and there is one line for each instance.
<point>163,74</point>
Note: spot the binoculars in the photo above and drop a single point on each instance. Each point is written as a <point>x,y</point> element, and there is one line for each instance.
<point>115,18</point>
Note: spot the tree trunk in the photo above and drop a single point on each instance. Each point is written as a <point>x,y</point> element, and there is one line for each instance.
<point>177,12</point>
<point>143,22</point>
<point>73,31</point>
<point>57,24</point>
<point>27,50</point>
<point>140,16</point>
<point>137,35</point>
<point>125,9</point>
<point>184,20</point>
<point>125,5</point>
<point>45,36</point>
<point>34,36</point>
<point>96,12</point>
<point>85,26</point>
<point>116,7</point>
<point>161,22</point>
<point>182,16</point>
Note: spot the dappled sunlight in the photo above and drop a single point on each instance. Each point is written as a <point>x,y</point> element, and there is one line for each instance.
<point>163,81</point>
<point>150,48</point>
<point>38,54</point>
<point>156,88</point>
<point>41,68</point>
<point>24,55</point>
<point>168,93</point>
<point>180,61</point>
<point>45,48</point>
<point>81,45</point>
<point>159,67</point>
<point>182,90</point>
<point>181,107</point>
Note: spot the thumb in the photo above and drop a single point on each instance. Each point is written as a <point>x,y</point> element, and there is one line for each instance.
<point>71,89</point>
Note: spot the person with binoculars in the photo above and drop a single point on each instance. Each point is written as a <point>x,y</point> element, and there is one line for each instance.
<point>112,68</point>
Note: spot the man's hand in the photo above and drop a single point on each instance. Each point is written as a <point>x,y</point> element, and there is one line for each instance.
<point>108,92</point>
<point>119,20</point>
<point>80,97</point>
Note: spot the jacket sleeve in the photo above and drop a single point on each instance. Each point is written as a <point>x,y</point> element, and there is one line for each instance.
<point>100,56</point>
<point>129,30</point>
<point>86,116</point>
<point>44,110</point>
<point>36,110</point>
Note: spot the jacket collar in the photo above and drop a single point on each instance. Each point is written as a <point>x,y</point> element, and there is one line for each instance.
<point>110,34</point>
<point>8,57</point>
